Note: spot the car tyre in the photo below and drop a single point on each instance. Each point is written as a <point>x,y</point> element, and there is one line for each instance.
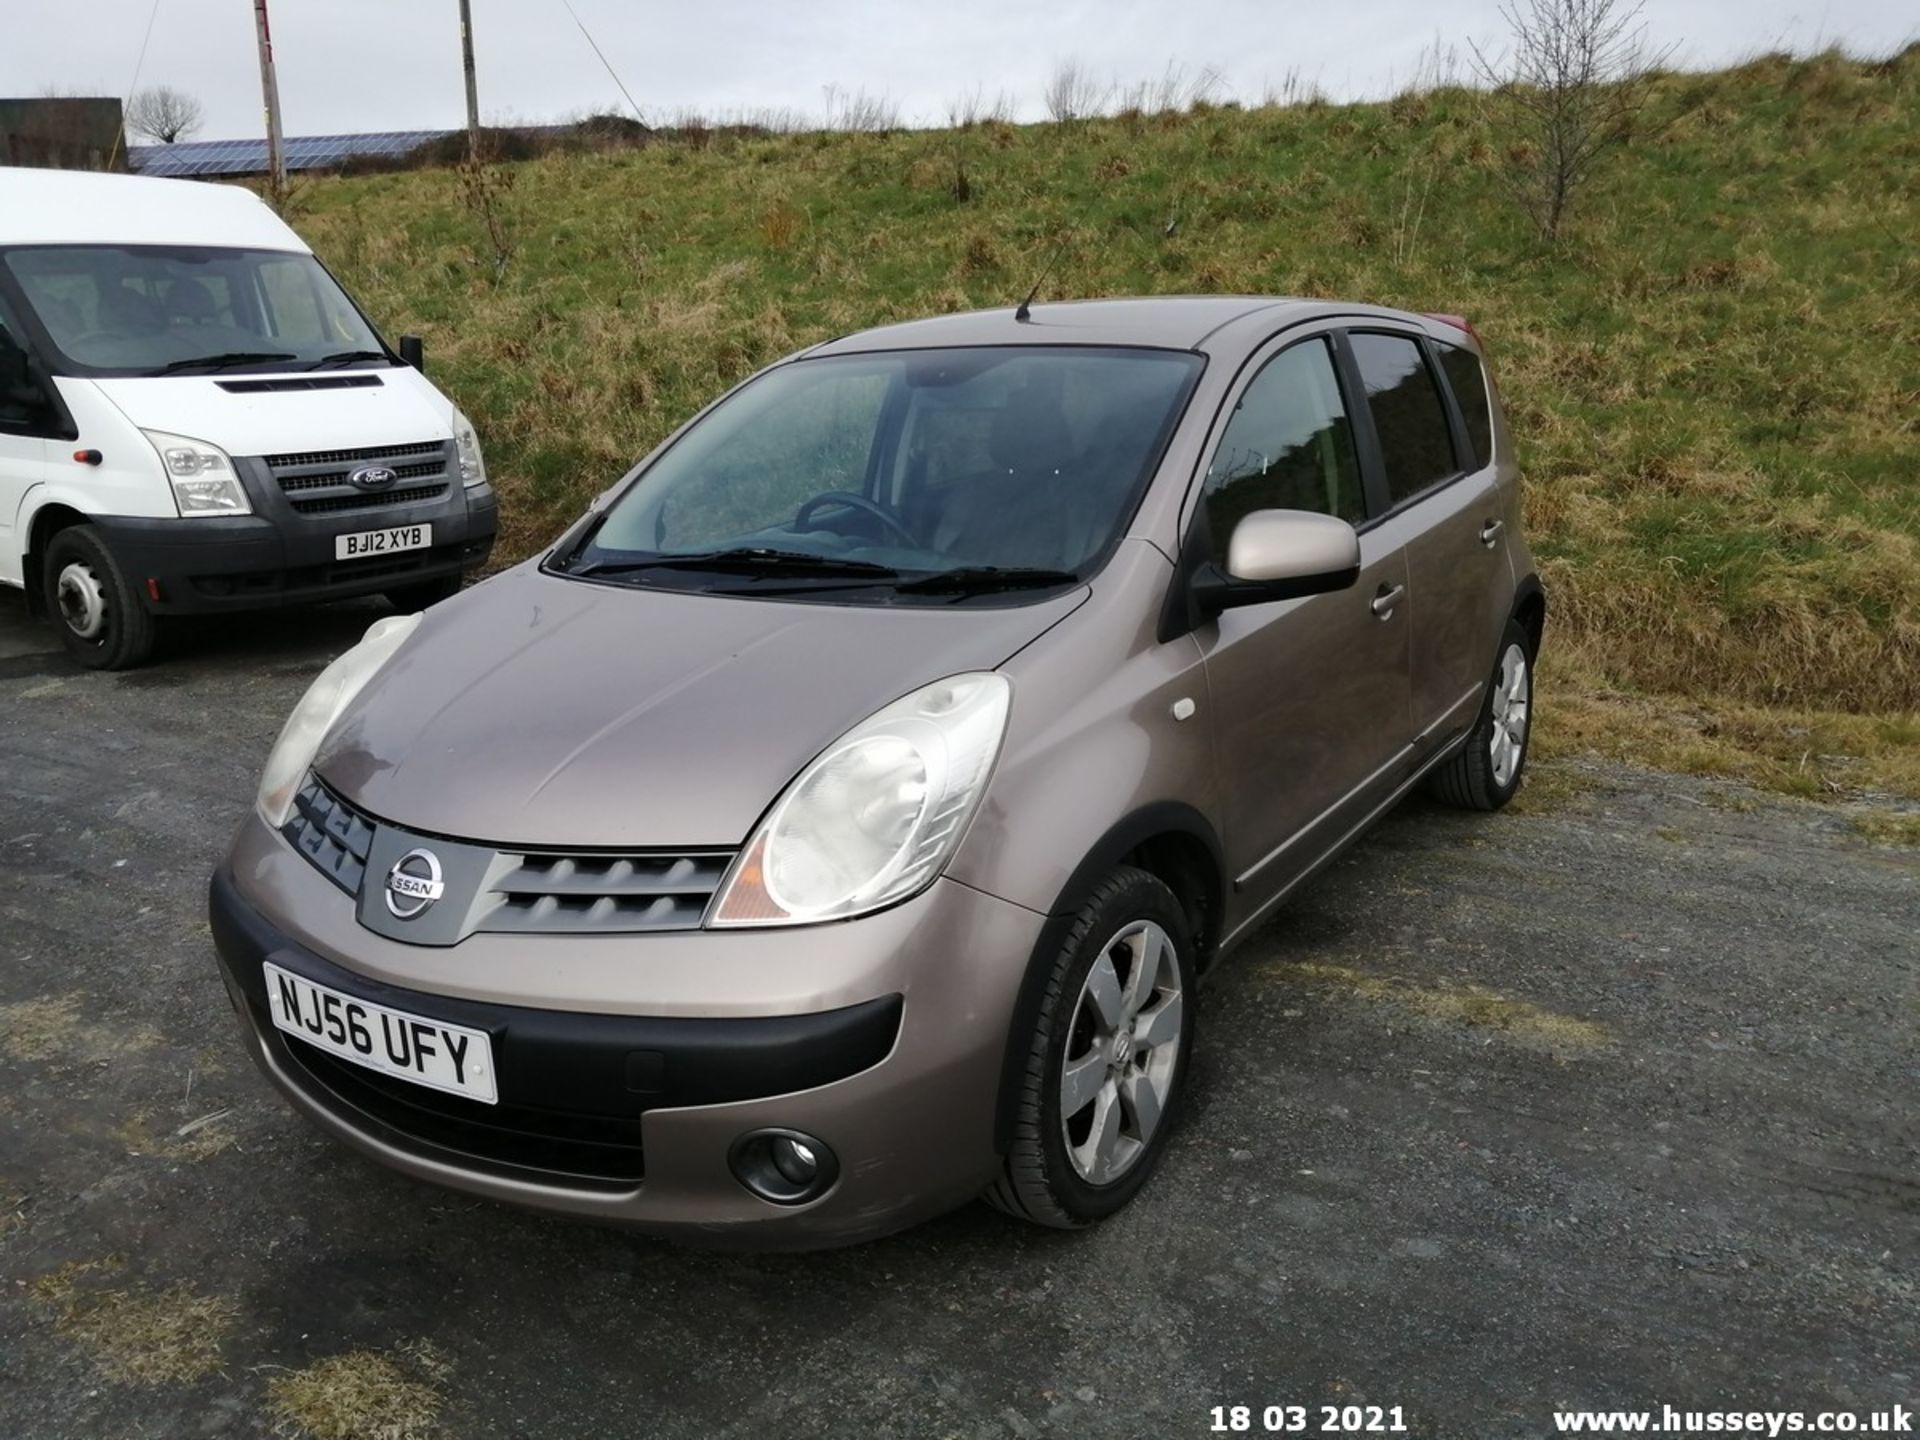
<point>409,598</point>
<point>1486,771</point>
<point>103,620</point>
<point>1071,1169</point>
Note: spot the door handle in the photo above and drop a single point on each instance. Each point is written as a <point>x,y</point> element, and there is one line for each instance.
<point>1490,532</point>
<point>1386,598</point>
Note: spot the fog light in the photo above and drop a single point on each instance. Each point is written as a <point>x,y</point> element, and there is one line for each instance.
<point>785,1167</point>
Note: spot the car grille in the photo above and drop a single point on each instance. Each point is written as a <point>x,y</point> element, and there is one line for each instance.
<point>594,1151</point>
<point>331,834</point>
<point>529,892</point>
<point>315,481</point>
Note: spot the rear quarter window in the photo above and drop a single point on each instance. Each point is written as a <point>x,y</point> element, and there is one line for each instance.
<point>1416,442</point>
<point>1469,384</point>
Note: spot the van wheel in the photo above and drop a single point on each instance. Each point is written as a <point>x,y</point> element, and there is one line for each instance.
<point>1106,1060</point>
<point>408,598</point>
<point>1485,774</point>
<point>102,619</point>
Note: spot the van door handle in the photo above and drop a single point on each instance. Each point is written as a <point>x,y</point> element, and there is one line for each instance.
<point>1386,599</point>
<point>1490,532</point>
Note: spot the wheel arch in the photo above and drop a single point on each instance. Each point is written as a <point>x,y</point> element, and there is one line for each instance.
<point>1170,840</point>
<point>49,520</point>
<point>1530,610</point>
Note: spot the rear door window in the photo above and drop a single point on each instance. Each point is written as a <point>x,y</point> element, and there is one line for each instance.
<point>1288,446</point>
<point>1469,384</point>
<point>1416,443</point>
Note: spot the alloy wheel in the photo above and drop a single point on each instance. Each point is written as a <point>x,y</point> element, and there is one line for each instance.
<point>1511,709</point>
<point>1121,1054</point>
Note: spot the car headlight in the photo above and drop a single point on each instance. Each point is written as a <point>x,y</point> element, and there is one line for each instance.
<point>877,815</point>
<point>313,717</point>
<point>202,475</point>
<point>466,440</point>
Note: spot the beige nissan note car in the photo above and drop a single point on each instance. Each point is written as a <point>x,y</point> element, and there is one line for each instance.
<point>834,825</point>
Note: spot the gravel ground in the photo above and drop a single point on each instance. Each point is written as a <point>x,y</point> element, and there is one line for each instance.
<point>1608,1102</point>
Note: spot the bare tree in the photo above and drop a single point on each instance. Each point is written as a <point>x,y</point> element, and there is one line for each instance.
<point>1577,74</point>
<point>1072,93</point>
<point>163,113</point>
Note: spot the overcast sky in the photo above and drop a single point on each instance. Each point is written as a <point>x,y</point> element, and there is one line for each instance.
<point>354,65</point>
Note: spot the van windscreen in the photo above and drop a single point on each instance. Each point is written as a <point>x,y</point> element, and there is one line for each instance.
<point>177,309</point>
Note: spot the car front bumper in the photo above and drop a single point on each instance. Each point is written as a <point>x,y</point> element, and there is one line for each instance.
<point>629,1065</point>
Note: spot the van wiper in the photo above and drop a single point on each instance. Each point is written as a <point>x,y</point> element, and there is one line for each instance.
<point>347,357</point>
<point>745,560</point>
<point>980,579</point>
<point>224,359</point>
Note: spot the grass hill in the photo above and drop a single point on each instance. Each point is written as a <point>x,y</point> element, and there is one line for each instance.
<point>1714,378</point>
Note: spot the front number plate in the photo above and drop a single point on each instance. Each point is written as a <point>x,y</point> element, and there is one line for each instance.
<point>382,542</point>
<point>408,1047</point>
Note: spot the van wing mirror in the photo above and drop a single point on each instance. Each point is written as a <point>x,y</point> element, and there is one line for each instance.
<point>413,351</point>
<point>1280,555</point>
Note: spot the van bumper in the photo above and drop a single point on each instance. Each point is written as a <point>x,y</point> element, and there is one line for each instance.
<point>216,564</point>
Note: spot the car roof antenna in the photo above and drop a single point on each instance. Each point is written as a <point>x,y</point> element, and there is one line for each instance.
<point>1024,312</point>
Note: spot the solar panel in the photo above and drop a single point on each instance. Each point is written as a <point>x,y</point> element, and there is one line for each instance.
<point>249,157</point>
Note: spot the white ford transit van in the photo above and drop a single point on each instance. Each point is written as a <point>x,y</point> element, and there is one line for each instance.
<point>195,418</point>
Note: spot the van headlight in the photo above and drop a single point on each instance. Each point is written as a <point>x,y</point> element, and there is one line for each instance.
<point>329,695</point>
<point>466,441</point>
<point>877,815</point>
<point>202,475</point>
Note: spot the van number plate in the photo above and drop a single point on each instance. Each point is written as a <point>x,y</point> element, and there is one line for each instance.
<point>382,542</point>
<point>407,1047</point>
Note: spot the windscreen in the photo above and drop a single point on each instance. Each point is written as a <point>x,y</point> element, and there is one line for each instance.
<point>1001,462</point>
<point>163,309</point>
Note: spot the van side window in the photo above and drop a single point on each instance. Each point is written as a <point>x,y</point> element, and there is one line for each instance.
<point>20,411</point>
<point>1289,446</point>
<point>1416,443</point>
<point>1469,384</point>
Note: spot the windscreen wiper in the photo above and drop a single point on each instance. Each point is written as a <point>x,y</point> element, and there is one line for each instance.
<point>745,560</point>
<point>224,359</point>
<point>980,579</point>
<point>347,357</point>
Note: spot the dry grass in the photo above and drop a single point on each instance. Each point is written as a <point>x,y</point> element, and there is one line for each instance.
<point>1452,1005</point>
<point>1889,827</point>
<point>1711,380</point>
<point>362,1395</point>
<point>142,1335</point>
<point>52,1027</point>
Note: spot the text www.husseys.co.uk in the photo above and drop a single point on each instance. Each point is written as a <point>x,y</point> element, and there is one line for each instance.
<point>1669,1421</point>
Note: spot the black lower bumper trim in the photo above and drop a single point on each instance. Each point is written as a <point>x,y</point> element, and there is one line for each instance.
<point>212,565</point>
<point>572,1086</point>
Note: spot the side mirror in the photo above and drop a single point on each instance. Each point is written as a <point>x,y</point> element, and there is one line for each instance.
<point>413,351</point>
<point>1280,555</point>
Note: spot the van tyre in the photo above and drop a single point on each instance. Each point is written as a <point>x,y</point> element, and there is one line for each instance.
<point>1486,772</point>
<point>103,620</point>
<point>1106,1061</point>
<point>409,598</point>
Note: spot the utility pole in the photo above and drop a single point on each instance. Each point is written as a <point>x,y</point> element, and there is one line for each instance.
<point>473,92</point>
<point>270,93</point>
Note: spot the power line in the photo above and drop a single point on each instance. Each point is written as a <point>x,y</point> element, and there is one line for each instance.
<point>603,59</point>
<point>134,83</point>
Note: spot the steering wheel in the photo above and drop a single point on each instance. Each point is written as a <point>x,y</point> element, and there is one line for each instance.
<point>850,501</point>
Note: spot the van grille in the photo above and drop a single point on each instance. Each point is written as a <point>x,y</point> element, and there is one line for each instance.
<point>368,500</point>
<point>315,481</point>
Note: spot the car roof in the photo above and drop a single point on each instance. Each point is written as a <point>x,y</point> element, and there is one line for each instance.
<point>1212,324</point>
<point>85,207</point>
